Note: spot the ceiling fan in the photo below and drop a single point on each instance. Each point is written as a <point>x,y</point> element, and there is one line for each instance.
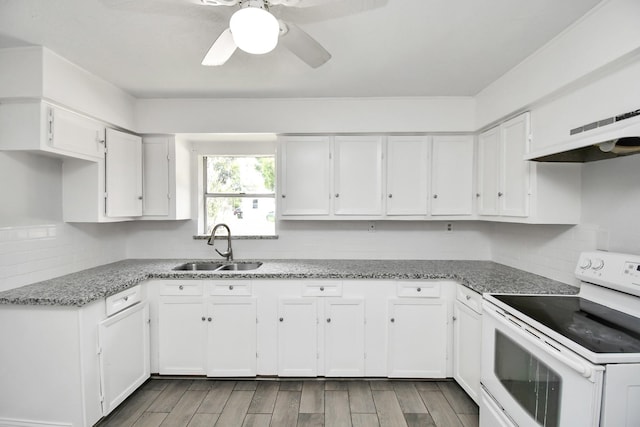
<point>253,29</point>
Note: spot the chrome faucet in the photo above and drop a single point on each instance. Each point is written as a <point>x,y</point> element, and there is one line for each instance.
<point>229,253</point>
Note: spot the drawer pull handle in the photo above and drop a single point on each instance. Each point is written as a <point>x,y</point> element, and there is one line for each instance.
<point>329,320</point>
<point>281,319</point>
<point>209,319</point>
<point>230,287</point>
<point>203,318</point>
<point>126,298</point>
<point>419,289</point>
<point>322,288</point>
<point>181,287</point>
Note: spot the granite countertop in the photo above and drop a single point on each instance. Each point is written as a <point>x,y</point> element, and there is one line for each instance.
<point>83,287</point>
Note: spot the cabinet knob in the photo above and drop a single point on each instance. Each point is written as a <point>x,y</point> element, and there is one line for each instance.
<point>337,195</point>
<point>282,319</point>
<point>230,287</point>
<point>500,194</point>
<point>126,298</point>
<point>390,196</point>
<point>435,196</point>
<point>139,197</point>
<point>393,320</point>
<point>477,194</point>
<point>209,319</point>
<point>329,320</point>
<point>455,318</point>
<point>322,288</point>
<point>419,289</point>
<point>468,297</point>
<point>181,287</point>
<point>204,318</point>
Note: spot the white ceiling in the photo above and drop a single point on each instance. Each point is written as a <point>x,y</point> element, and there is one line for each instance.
<point>380,48</point>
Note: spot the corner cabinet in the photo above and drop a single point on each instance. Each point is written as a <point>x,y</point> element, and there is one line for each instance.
<point>107,189</point>
<point>516,190</point>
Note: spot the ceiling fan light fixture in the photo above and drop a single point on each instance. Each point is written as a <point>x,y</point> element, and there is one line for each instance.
<point>254,30</point>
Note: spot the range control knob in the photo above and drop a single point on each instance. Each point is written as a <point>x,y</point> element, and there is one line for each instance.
<point>585,263</point>
<point>598,264</point>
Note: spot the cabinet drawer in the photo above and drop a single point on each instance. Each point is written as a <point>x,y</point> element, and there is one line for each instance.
<point>123,299</point>
<point>184,287</point>
<point>418,289</point>
<point>470,298</point>
<point>231,287</point>
<point>322,289</point>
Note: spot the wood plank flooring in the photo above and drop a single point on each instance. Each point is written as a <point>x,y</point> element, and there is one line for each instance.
<point>295,403</point>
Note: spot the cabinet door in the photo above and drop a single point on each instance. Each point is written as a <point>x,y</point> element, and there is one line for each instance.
<point>407,173</point>
<point>417,343</point>
<point>467,332</point>
<point>452,175</point>
<point>358,175</point>
<point>297,337</point>
<point>124,354</point>
<point>305,173</point>
<point>516,172</point>
<point>182,336</point>
<point>344,337</point>
<point>232,337</point>
<point>155,178</point>
<point>75,133</point>
<point>123,174</point>
<point>489,163</point>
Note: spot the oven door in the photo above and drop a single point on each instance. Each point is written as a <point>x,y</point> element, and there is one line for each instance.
<point>533,379</point>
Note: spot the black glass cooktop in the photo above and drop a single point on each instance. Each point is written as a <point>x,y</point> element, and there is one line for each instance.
<point>593,326</point>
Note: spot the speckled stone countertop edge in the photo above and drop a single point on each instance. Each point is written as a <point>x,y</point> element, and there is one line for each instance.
<point>86,286</point>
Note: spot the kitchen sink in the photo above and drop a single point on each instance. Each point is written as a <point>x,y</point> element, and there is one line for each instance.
<point>240,266</point>
<point>218,266</point>
<point>189,266</point>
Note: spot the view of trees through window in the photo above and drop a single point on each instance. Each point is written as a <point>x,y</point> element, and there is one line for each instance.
<point>240,192</point>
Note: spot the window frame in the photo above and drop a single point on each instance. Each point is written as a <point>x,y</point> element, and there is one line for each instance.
<point>241,195</point>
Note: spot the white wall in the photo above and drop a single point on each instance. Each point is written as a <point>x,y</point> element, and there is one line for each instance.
<point>34,242</point>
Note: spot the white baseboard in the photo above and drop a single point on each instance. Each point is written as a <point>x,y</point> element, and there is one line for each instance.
<point>6,422</point>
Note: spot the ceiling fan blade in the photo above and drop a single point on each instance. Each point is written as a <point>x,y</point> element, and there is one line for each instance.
<point>299,3</point>
<point>221,50</point>
<point>303,45</point>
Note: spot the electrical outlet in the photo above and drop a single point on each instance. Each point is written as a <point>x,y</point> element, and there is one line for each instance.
<point>449,227</point>
<point>372,227</point>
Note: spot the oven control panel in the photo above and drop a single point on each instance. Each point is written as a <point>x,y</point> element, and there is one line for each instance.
<point>610,269</point>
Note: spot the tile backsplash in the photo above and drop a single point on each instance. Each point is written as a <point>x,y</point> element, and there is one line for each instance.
<point>31,253</point>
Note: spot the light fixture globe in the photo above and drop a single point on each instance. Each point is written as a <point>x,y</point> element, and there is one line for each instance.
<point>254,30</point>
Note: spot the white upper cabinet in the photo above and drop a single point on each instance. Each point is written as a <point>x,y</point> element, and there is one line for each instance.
<point>165,179</point>
<point>503,174</point>
<point>516,190</point>
<point>123,174</point>
<point>407,174</point>
<point>39,126</point>
<point>452,175</point>
<point>305,176</point>
<point>358,175</point>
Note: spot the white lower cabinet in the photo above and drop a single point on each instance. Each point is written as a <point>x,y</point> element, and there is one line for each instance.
<point>467,328</point>
<point>344,335</point>
<point>231,337</point>
<point>417,338</point>
<point>202,335</point>
<point>297,337</point>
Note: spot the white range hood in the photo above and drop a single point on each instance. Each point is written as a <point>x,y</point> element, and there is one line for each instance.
<point>604,139</point>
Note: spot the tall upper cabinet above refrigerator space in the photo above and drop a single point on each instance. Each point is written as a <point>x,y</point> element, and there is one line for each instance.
<point>511,189</point>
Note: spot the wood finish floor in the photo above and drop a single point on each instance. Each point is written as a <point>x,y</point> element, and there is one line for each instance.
<point>284,403</point>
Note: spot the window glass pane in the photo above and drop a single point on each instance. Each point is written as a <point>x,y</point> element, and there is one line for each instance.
<point>533,384</point>
<point>240,175</point>
<point>245,216</point>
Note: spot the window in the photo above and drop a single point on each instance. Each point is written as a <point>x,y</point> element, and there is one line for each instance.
<point>240,192</point>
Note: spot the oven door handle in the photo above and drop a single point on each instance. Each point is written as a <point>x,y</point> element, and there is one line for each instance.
<point>519,328</point>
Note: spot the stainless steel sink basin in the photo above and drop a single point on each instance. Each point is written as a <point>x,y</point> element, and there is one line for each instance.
<point>240,266</point>
<point>193,266</point>
<point>218,266</point>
